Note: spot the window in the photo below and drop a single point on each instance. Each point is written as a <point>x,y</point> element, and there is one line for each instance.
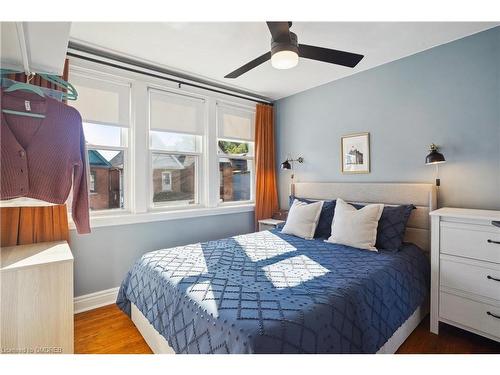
<point>92,182</point>
<point>235,133</point>
<point>166,181</point>
<point>104,105</point>
<point>158,151</point>
<point>176,128</point>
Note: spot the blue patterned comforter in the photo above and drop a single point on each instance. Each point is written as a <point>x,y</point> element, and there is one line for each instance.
<point>269,292</point>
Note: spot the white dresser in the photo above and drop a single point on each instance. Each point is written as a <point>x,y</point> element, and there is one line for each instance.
<point>36,303</point>
<point>465,276</point>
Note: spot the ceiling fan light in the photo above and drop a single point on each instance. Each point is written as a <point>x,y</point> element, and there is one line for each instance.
<point>284,59</point>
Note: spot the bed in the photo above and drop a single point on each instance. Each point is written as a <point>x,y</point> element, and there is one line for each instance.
<point>268,292</point>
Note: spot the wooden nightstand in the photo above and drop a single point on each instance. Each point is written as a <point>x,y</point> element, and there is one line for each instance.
<point>267,224</point>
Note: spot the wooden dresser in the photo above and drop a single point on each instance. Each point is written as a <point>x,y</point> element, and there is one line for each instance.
<point>36,298</point>
<point>465,276</point>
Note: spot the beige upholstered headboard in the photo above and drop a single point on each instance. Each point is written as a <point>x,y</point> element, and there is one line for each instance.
<point>423,196</point>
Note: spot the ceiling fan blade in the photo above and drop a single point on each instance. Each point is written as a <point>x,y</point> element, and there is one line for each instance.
<point>249,66</point>
<point>280,31</point>
<point>331,56</point>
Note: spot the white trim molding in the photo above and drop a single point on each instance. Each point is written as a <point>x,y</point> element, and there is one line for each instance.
<point>138,171</point>
<point>94,300</point>
<point>124,218</point>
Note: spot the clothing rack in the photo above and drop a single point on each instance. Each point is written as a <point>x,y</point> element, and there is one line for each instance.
<point>135,66</point>
<point>23,47</point>
<point>69,91</point>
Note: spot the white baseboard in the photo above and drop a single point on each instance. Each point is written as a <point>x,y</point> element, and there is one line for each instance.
<point>95,300</point>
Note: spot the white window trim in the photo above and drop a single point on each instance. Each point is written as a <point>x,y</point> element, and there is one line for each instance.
<point>138,198</point>
<point>124,218</point>
<point>243,107</point>
<point>200,167</point>
<point>106,76</point>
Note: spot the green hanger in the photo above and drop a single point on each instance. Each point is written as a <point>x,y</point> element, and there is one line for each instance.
<point>26,87</point>
<point>70,94</point>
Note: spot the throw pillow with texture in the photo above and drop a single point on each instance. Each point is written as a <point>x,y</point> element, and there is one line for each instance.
<point>302,219</point>
<point>356,228</point>
<point>324,228</point>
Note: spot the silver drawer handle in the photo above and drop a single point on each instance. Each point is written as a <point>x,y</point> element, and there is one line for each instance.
<point>493,315</point>
<point>492,278</point>
<point>496,223</point>
<point>491,241</point>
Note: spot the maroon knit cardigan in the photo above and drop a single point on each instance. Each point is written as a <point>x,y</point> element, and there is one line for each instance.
<point>42,158</point>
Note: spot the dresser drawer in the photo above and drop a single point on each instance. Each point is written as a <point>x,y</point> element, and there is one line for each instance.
<point>471,241</point>
<point>469,313</point>
<point>475,278</point>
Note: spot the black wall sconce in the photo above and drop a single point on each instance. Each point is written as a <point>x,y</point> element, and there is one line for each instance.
<point>289,164</point>
<point>435,158</point>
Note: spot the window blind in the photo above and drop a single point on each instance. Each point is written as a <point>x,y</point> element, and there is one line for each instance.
<point>175,113</point>
<point>235,123</point>
<point>102,102</point>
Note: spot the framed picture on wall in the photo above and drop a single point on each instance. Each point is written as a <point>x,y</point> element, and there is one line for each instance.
<point>355,153</point>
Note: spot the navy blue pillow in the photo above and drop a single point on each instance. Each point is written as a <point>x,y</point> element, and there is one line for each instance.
<point>391,226</point>
<point>324,228</point>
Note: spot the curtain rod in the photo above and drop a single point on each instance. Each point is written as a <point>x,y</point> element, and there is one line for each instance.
<point>184,78</point>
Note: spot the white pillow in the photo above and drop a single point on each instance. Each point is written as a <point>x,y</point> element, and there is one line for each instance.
<point>356,228</point>
<point>302,219</point>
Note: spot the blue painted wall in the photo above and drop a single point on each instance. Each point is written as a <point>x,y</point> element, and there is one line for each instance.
<point>103,257</point>
<point>448,95</point>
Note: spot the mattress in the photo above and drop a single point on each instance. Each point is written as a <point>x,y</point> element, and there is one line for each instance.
<point>268,292</point>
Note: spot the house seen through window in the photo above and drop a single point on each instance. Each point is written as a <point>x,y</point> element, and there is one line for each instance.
<point>236,155</point>
<point>176,135</point>
<point>235,168</point>
<point>188,145</point>
<point>106,179</point>
<point>104,106</point>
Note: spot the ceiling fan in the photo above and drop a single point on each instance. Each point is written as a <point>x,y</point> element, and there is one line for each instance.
<point>285,52</point>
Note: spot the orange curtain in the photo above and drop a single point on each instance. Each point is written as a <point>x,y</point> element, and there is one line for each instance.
<point>266,195</point>
<point>25,225</point>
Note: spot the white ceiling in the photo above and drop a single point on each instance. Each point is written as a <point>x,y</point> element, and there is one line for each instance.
<point>42,56</point>
<point>211,50</point>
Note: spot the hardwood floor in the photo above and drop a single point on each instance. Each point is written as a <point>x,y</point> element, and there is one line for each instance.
<point>451,340</point>
<point>108,330</point>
